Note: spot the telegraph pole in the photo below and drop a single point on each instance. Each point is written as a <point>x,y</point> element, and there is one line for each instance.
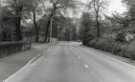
<point>51,24</point>
<point>0,3</point>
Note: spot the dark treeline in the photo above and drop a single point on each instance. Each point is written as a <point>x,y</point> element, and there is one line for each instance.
<point>43,20</point>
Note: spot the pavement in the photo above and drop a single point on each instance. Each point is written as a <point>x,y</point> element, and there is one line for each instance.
<point>70,62</point>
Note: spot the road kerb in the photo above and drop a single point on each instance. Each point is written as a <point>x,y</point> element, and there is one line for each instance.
<point>32,61</point>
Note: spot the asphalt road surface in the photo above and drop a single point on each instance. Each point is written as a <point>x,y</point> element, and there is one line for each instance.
<point>70,62</point>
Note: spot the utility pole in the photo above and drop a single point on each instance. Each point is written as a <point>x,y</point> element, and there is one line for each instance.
<point>51,22</point>
<point>0,3</point>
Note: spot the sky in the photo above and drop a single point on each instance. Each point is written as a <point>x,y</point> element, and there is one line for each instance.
<point>116,6</point>
<point>113,6</point>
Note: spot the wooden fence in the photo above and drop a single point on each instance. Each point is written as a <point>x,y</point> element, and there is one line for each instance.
<point>7,48</point>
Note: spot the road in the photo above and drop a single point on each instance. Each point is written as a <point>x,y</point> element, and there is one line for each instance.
<point>70,62</point>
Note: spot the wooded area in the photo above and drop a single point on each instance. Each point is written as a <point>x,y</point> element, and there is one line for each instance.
<point>113,33</point>
<point>41,20</point>
<point>30,19</point>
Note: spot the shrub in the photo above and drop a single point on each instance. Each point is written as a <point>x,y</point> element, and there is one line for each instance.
<point>118,48</point>
<point>130,50</point>
<point>106,45</point>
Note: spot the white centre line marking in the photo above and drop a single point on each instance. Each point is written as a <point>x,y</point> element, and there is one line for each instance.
<point>86,66</point>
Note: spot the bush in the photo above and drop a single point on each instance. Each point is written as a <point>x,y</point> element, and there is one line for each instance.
<point>121,49</point>
<point>108,45</point>
<point>121,37</point>
<point>130,50</point>
<point>105,44</point>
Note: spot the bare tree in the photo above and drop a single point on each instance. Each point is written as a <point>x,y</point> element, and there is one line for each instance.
<point>57,7</point>
<point>98,6</point>
<point>34,10</point>
<point>35,26</point>
<point>18,7</point>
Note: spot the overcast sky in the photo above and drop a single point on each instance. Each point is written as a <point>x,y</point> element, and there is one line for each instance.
<point>114,6</point>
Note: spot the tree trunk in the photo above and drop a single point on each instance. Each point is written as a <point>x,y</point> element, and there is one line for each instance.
<point>18,23</point>
<point>47,29</point>
<point>98,29</point>
<point>50,34</point>
<point>49,22</point>
<point>35,26</point>
<point>98,26</point>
